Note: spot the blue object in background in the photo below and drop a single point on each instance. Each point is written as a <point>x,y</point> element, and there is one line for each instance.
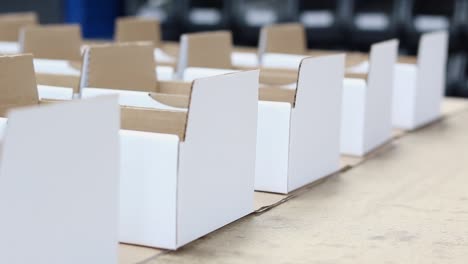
<point>95,16</point>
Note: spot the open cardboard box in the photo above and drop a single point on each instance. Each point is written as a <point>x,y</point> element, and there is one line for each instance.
<point>367,103</point>
<point>127,66</point>
<point>298,130</point>
<point>187,168</point>
<point>138,29</point>
<point>298,140</point>
<point>10,25</point>
<point>18,85</point>
<point>56,49</point>
<point>418,88</point>
<point>65,200</point>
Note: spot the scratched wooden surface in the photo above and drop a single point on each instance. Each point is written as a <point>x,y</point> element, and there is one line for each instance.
<point>407,204</point>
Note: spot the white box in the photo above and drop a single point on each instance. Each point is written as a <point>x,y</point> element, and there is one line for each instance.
<point>419,89</point>
<point>59,180</point>
<point>176,189</point>
<point>298,143</point>
<point>367,104</point>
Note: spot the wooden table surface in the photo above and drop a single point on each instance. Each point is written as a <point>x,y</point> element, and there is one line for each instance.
<point>407,204</point>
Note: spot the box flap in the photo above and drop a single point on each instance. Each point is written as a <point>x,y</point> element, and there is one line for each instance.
<point>17,82</point>
<point>283,38</point>
<point>151,120</point>
<point>174,87</point>
<point>11,23</point>
<point>206,49</point>
<point>59,42</point>
<point>120,66</point>
<point>131,29</point>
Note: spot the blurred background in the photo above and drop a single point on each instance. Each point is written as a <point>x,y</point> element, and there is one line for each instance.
<point>330,24</point>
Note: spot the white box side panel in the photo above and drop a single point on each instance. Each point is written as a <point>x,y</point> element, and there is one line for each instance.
<point>378,119</point>
<point>352,117</point>
<point>148,188</point>
<point>404,96</point>
<point>271,167</point>
<point>432,60</point>
<point>59,184</point>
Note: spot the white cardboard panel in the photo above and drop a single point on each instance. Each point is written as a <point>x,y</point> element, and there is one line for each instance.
<point>59,67</point>
<point>162,57</point>
<point>8,47</point>
<point>54,92</point>
<point>376,99</point>
<point>165,73</point>
<point>148,188</point>
<point>283,61</point>
<point>378,112</point>
<point>271,167</point>
<point>244,59</point>
<point>352,116</point>
<point>314,150</point>
<point>432,59</point>
<point>217,159</point>
<point>3,122</point>
<point>193,73</point>
<point>404,96</point>
<point>59,179</point>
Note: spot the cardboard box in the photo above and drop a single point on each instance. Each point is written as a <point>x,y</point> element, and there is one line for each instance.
<point>367,103</point>
<point>187,172</point>
<point>138,29</point>
<point>298,141</point>
<point>56,49</point>
<point>11,24</point>
<point>65,201</point>
<point>288,38</point>
<point>419,89</point>
<point>18,84</point>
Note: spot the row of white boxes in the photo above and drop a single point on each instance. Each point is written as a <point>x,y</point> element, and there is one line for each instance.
<point>190,162</point>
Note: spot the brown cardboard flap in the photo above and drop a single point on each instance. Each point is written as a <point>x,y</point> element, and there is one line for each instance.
<point>51,101</point>
<point>59,42</point>
<point>59,80</point>
<point>209,49</point>
<point>120,66</point>
<point>271,76</point>
<point>283,38</point>
<point>131,29</point>
<point>174,87</point>
<point>356,75</point>
<point>408,59</point>
<point>17,82</point>
<point>156,121</point>
<point>174,100</point>
<point>277,94</point>
<point>10,24</point>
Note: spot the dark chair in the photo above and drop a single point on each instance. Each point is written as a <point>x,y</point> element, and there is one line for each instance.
<point>249,16</point>
<point>324,21</point>
<point>167,13</point>
<point>204,15</point>
<point>374,21</point>
<point>431,15</point>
